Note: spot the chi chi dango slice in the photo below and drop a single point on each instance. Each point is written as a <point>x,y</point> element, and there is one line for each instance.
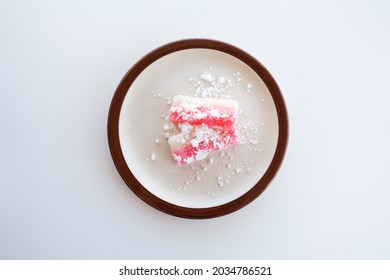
<point>206,125</point>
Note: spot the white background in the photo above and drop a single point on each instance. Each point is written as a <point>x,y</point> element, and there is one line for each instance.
<point>61,196</point>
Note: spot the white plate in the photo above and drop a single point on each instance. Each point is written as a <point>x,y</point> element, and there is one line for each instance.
<point>226,180</point>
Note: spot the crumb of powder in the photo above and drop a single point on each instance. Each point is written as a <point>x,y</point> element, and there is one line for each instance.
<point>209,87</point>
<point>207,77</point>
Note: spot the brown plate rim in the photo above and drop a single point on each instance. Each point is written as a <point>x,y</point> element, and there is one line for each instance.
<point>138,188</point>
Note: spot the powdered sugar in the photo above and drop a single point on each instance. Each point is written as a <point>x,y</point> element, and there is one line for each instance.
<point>208,86</point>
<point>207,77</point>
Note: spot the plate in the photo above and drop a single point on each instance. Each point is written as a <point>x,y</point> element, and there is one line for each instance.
<point>226,180</point>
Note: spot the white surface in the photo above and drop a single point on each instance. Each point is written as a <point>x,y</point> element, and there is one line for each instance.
<point>143,116</point>
<point>61,196</point>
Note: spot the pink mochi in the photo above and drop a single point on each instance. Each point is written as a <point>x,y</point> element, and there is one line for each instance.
<point>206,125</point>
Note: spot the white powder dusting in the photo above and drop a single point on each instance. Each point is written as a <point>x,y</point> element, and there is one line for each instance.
<point>237,75</point>
<point>170,129</point>
<point>220,183</point>
<point>209,87</point>
<point>207,77</point>
<point>249,88</point>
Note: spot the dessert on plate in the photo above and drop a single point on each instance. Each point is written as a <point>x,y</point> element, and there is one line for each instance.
<point>205,125</point>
